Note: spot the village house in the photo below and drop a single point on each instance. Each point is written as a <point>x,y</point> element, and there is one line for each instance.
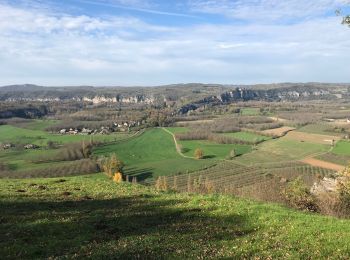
<point>86,131</point>
<point>31,146</point>
<point>73,131</point>
<point>7,146</point>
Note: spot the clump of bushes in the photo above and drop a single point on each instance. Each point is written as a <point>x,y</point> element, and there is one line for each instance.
<point>112,166</point>
<point>298,195</point>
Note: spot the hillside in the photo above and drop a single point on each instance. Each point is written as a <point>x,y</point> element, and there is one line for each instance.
<point>193,94</point>
<point>90,216</point>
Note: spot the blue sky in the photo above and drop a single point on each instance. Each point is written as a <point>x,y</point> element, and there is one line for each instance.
<point>154,42</point>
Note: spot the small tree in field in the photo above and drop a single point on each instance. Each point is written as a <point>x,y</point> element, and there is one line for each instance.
<point>198,154</point>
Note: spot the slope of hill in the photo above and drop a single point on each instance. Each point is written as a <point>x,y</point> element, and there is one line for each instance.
<point>92,217</point>
<point>182,93</point>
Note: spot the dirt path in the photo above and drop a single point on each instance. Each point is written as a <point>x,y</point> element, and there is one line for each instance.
<point>323,164</point>
<point>177,145</point>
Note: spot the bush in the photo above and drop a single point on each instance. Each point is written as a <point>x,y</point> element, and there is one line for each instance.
<point>344,188</point>
<point>118,177</point>
<point>298,195</point>
<point>232,154</point>
<point>198,153</point>
<point>111,165</point>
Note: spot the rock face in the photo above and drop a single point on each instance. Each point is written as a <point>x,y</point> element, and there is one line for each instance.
<point>326,185</point>
<point>192,96</point>
<point>278,94</point>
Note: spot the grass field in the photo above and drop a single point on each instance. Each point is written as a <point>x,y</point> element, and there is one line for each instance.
<point>213,150</point>
<point>152,154</point>
<point>20,159</point>
<point>250,137</point>
<point>91,217</point>
<point>176,130</point>
<point>210,149</point>
<point>13,134</point>
<point>250,111</point>
<point>34,124</point>
<point>342,148</point>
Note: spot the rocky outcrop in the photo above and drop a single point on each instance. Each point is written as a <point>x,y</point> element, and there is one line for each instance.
<point>242,94</point>
<point>326,185</point>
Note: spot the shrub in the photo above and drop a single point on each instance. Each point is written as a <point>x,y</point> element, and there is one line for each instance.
<point>232,154</point>
<point>344,188</point>
<point>161,184</point>
<point>118,177</point>
<point>111,165</point>
<point>298,195</point>
<point>198,153</point>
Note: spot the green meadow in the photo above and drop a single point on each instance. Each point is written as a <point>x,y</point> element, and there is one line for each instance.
<point>152,154</point>
<point>21,159</point>
<point>342,148</point>
<point>12,134</point>
<point>250,137</point>
<point>213,150</point>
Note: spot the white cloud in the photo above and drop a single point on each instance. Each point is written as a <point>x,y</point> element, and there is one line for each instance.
<point>59,49</point>
<point>266,10</point>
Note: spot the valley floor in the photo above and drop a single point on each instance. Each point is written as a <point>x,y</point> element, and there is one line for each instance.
<point>90,216</point>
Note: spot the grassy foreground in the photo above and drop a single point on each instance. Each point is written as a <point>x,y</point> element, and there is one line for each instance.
<point>89,216</point>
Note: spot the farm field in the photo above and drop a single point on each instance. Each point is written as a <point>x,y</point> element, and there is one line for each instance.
<point>321,128</point>
<point>312,138</point>
<point>281,150</point>
<point>228,176</point>
<point>343,160</point>
<point>152,154</point>
<point>279,131</point>
<point>250,137</point>
<point>323,164</point>
<point>250,111</point>
<point>21,160</point>
<point>95,217</point>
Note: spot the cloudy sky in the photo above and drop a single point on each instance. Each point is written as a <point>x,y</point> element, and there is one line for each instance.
<point>154,42</point>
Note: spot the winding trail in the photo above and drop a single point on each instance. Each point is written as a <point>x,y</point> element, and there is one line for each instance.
<point>178,150</point>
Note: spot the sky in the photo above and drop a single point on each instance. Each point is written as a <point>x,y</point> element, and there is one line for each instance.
<point>157,42</point>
